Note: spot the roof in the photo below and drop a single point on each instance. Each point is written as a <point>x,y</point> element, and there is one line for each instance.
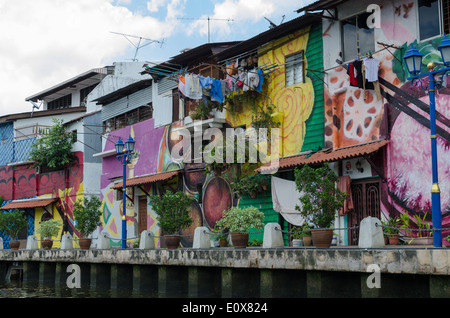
<point>25,204</point>
<point>163,176</point>
<point>321,5</point>
<point>123,92</point>
<point>42,113</point>
<point>192,56</point>
<point>81,81</point>
<point>268,36</point>
<point>327,155</point>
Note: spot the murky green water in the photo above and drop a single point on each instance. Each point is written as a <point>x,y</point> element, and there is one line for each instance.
<point>19,289</point>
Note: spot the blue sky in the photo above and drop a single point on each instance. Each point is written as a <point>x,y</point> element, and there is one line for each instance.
<point>49,41</point>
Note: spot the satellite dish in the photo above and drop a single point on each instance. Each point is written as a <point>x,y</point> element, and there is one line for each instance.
<point>35,106</point>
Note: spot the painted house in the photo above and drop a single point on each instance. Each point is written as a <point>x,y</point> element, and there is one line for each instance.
<point>45,193</point>
<point>378,135</point>
<point>150,111</point>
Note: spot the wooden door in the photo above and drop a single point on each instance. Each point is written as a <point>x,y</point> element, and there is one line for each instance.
<point>366,202</point>
<point>142,208</point>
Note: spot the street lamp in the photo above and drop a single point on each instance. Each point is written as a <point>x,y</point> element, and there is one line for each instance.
<point>413,62</point>
<point>124,153</point>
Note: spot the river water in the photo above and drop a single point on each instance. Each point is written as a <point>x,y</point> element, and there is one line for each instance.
<point>19,289</point>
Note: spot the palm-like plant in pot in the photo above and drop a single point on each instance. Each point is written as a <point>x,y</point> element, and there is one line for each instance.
<point>239,221</point>
<point>173,215</point>
<point>320,199</point>
<point>47,230</point>
<point>87,217</point>
<point>11,223</point>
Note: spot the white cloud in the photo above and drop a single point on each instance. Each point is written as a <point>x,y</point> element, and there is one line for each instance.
<point>48,41</point>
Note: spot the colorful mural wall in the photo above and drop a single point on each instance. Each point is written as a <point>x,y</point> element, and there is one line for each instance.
<point>22,182</point>
<point>355,117</point>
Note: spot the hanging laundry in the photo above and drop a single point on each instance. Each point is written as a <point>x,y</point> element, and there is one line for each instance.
<point>216,91</point>
<point>261,80</point>
<point>192,87</point>
<point>351,71</point>
<point>371,68</point>
<point>253,79</point>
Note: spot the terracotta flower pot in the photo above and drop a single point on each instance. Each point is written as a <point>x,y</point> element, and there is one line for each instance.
<point>46,244</point>
<point>172,241</point>
<point>223,242</point>
<point>14,245</point>
<point>393,239</point>
<point>85,243</point>
<point>239,240</point>
<point>307,240</point>
<point>322,237</point>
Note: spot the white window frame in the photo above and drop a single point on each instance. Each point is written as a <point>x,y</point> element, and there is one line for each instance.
<point>441,23</point>
<point>293,63</point>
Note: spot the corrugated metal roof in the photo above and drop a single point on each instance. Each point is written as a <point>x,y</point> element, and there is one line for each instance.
<point>25,204</point>
<point>321,5</point>
<point>328,155</point>
<point>163,176</point>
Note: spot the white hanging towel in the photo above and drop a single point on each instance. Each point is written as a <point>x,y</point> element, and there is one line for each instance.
<point>285,197</point>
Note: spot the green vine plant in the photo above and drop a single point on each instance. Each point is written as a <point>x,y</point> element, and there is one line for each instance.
<point>54,148</point>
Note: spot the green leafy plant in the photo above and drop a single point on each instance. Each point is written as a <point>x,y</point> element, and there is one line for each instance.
<point>172,210</point>
<point>299,232</point>
<point>242,219</point>
<point>87,215</point>
<point>48,229</point>
<point>391,226</point>
<point>404,223</point>
<point>11,223</point>
<point>423,225</point>
<point>262,117</point>
<point>54,148</point>
<point>255,242</point>
<point>245,185</point>
<point>320,198</point>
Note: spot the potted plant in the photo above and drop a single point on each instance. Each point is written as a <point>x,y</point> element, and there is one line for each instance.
<point>301,235</point>
<point>246,186</point>
<point>239,221</point>
<point>391,229</point>
<point>47,230</point>
<point>221,235</point>
<point>11,223</point>
<point>320,200</point>
<point>87,216</point>
<point>424,233</point>
<point>173,215</point>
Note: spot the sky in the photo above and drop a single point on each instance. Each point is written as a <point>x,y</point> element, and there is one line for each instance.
<point>45,42</point>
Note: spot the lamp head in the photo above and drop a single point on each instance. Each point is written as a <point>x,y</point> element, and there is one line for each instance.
<point>130,144</point>
<point>444,48</point>
<point>119,146</point>
<point>413,60</point>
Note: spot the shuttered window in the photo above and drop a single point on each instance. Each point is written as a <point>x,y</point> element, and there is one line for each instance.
<point>294,69</point>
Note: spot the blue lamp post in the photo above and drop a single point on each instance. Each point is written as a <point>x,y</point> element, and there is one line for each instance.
<point>413,62</point>
<point>124,153</point>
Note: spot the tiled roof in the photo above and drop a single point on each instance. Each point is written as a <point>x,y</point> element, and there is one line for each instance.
<point>327,155</point>
<point>25,204</point>
<point>147,179</point>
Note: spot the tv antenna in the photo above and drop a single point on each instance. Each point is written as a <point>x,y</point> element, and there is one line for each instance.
<point>35,106</point>
<point>138,46</point>
<point>209,19</point>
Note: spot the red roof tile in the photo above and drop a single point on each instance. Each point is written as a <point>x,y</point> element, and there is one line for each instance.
<point>327,155</point>
<point>25,204</point>
<point>147,179</point>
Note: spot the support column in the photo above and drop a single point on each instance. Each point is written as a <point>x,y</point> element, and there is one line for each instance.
<point>145,279</point>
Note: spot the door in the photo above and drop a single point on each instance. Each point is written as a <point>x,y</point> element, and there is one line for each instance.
<point>142,217</point>
<point>366,202</point>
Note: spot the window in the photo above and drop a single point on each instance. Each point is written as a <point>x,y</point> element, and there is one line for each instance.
<point>434,18</point>
<point>62,102</point>
<point>358,38</point>
<point>133,116</point>
<point>294,69</point>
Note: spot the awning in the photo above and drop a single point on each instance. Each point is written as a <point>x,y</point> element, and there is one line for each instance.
<point>328,155</point>
<point>163,176</point>
<point>26,204</point>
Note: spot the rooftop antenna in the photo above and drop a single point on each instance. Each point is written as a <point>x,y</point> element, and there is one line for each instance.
<point>138,45</point>
<point>35,106</point>
<point>209,19</point>
<point>272,25</point>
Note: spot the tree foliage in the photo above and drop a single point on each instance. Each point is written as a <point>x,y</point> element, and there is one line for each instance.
<point>54,148</point>
<point>87,215</point>
<point>320,199</point>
